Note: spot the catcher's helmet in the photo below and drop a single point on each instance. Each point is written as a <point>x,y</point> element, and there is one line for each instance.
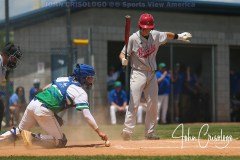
<point>146,21</point>
<point>14,55</point>
<point>82,72</point>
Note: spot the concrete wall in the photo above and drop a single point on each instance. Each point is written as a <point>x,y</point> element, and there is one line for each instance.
<point>108,24</point>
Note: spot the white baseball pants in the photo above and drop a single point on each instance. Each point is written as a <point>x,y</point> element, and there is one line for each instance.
<point>142,81</point>
<point>113,110</point>
<point>36,113</point>
<point>163,107</point>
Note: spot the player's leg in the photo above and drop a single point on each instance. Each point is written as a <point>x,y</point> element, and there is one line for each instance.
<point>151,95</point>
<point>29,120</point>
<point>26,123</point>
<point>11,109</point>
<point>47,121</point>
<point>1,113</point>
<point>9,137</point>
<point>17,115</point>
<point>164,109</point>
<point>160,100</point>
<point>113,111</point>
<point>137,83</point>
<point>139,114</point>
<point>7,116</point>
<point>176,106</point>
<point>54,137</point>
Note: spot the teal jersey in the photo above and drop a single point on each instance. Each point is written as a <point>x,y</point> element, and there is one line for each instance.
<point>63,94</point>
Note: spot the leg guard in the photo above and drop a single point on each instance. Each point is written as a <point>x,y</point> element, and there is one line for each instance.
<point>62,142</point>
<point>47,141</point>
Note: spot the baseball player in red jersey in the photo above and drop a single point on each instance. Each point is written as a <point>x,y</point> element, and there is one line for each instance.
<point>142,49</point>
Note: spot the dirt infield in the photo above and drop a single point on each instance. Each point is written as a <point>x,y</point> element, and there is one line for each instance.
<point>131,148</point>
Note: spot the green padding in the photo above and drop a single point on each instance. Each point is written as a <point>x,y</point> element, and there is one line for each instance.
<point>51,98</point>
<point>82,106</point>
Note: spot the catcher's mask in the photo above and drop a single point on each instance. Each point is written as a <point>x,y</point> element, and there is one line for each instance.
<point>84,74</point>
<point>14,55</point>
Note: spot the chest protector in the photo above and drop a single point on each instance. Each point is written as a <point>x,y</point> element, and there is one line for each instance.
<point>55,96</point>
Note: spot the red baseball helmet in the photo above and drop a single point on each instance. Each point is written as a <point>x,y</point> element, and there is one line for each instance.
<point>146,21</point>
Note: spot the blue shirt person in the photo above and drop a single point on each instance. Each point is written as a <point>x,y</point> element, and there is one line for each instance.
<point>118,100</point>
<point>118,96</point>
<point>35,89</point>
<point>164,81</point>
<point>164,87</point>
<point>17,104</point>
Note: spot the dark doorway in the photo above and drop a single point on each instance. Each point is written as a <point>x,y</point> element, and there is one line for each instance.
<point>114,64</point>
<point>235,83</point>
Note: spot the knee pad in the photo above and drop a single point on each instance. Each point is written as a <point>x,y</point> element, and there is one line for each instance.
<point>62,142</point>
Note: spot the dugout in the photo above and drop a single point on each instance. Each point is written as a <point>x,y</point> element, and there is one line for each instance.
<point>234,83</point>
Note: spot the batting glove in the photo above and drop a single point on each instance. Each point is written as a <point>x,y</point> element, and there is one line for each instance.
<point>124,62</point>
<point>184,36</point>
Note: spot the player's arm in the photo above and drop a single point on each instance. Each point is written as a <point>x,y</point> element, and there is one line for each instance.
<point>80,100</point>
<point>114,104</point>
<point>129,50</point>
<point>124,100</point>
<point>124,105</point>
<point>123,59</point>
<point>91,121</point>
<point>162,77</point>
<point>111,100</point>
<point>185,36</point>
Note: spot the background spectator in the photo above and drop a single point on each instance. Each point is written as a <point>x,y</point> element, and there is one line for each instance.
<point>164,87</point>
<point>17,104</point>
<point>35,89</point>
<point>113,76</point>
<point>178,77</point>
<point>118,100</point>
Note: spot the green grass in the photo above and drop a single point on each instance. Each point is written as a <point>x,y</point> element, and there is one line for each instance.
<point>83,131</point>
<point>165,131</point>
<point>122,158</point>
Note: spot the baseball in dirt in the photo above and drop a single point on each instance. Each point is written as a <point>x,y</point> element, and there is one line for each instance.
<point>107,143</point>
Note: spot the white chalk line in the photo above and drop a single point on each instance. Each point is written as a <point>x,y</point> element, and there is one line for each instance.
<point>185,146</point>
<point>171,147</point>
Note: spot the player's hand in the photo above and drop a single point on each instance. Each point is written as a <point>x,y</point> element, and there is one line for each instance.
<point>124,62</point>
<point>121,109</point>
<point>165,73</point>
<point>185,36</point>
<point>103,136</point>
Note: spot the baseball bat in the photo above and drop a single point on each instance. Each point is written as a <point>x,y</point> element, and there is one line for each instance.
<point>127,32</point>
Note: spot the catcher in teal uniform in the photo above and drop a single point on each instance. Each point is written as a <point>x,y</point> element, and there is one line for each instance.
<point>61,94</point>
